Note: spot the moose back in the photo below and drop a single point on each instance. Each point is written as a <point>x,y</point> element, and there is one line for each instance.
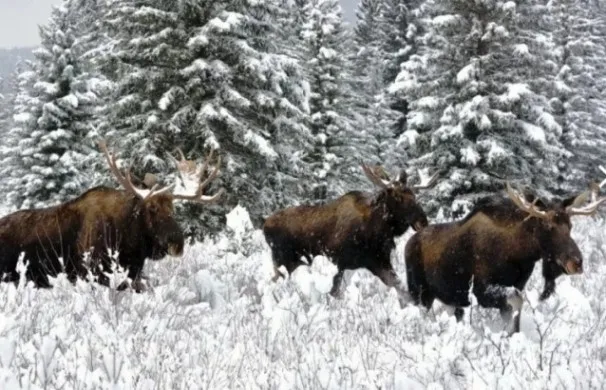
<point>134,222</point>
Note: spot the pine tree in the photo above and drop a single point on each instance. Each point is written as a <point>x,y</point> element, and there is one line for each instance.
<point>53,107</point>
<point>579,56</point>
<point>473,114</point>
<point>209,75</point>
<point>335,155</point>
<point>4,108</point>
<point>290,18</point>
<point>399,27</point>
<point>368,61</point>
<point>368,55</point>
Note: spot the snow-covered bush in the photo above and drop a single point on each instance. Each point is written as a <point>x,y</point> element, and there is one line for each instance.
<point>215,320</point>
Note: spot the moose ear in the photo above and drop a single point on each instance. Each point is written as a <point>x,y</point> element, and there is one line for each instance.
<point>532,198</point>
<point>576,201</point>
<point>402,177</point>
<point>568,201</point>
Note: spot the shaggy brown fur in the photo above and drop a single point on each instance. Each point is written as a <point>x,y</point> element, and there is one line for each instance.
<point>100,219</point>
<point>494,247</point>
<point>356,230</point>
<point>136,223</point>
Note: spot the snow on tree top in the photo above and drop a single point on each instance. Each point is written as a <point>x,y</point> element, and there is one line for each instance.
<point>71,99</point>
<point>509,6</point>
<point>470,156</point>
<point>534,132</point>
<point>22,117</point>
<point>468,73</point>
<point>429,102</point>
<point>515,92</point>
<point>446,20</point>
<point>198,40</point>
<point>226,22</point>
<point>495,152</point>
<point>521,49</point>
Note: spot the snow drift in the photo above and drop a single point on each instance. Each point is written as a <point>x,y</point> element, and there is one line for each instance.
<point>213,319</point>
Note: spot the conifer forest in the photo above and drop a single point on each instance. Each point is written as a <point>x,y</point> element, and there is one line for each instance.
<point>353,200</point>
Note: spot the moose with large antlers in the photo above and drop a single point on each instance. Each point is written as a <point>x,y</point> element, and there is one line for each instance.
<point>356,230</point>
<point>134,222</point>
<point>493,250</point>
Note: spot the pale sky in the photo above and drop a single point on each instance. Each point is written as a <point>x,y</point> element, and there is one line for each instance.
<point>19,20</point>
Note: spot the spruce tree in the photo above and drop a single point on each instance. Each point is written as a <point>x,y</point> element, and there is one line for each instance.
<point>579,56</point>
<point>368,61</point>
<point>400,27</point>
<point>52,111</point>
<point>4,109</point>
<point>209,75</point>
<point>336,154</point>
<point>473,114</point>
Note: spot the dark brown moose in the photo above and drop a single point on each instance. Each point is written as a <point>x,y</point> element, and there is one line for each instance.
<point>136,223</point>
<point>356,230</point>
<point>493,251</point>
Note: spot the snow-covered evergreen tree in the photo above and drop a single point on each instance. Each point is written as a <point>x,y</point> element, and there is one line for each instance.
<point>17,113</point>
<point>52,111</point>
<point>473,113</point>
<point>577,91</point>
<point>370,113</point>
<point>290,17</point>
<point>4,110</point>
<point>399,28</point>
<point>368,59</point>
<point>338,148</point>
<point>209,75</point>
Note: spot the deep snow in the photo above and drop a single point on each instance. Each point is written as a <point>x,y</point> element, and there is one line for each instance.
<point>213,319</point>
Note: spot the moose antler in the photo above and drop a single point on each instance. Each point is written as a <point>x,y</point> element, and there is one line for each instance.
<point>191,177</point>
<point>125,180</point>
<point>592,194</point>
<point>425,181</point>
<point>374,175</point>
<point>520,201</point>
<point>371,174</point>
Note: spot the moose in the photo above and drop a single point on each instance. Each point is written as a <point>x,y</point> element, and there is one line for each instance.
<point>136,223</point>
<point>493,251</point>
<point>357,230</point>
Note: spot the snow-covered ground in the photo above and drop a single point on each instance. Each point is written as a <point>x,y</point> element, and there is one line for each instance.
<point>213,320</point>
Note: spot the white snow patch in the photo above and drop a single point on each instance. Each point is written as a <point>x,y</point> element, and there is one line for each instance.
<point>213,319</point>
<point>470,156</point>
<point>535,133</point>
<point>466,74</point>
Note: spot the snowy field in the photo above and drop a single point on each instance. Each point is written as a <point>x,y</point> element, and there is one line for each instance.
<point>213,320</point>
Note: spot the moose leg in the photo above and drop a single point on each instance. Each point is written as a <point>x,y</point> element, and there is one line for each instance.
<point>508,300</point>
<point>336,291</point>
<point>277,259</point>
<point>277,274</point>
<point>388,276</point>
<point>286,258</point>
<point>8,265</point>
<point>418,289</point>
<point>36,273</point>
<point>551,271</point>
<point>459,311</point>
<point>75,268</point>
<point>135,265</point>
<point>100,264</point>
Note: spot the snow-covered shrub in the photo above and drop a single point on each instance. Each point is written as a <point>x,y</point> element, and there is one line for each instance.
<point>215,320</point>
